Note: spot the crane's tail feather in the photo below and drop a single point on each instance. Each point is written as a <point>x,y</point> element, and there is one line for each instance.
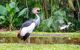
<point>18,35</point>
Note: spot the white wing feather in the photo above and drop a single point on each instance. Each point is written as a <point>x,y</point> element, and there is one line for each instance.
<point>28,29</point>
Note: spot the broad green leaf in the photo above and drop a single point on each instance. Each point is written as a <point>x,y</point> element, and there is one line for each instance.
<point>22,12</point>
<point>16,9</point>
<point>8,7</point>
<point>3,10</point>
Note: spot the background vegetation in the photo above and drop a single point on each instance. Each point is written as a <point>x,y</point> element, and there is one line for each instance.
<point>54,13</point>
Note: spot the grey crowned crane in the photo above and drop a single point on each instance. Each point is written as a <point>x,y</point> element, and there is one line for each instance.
<point>28,26</point>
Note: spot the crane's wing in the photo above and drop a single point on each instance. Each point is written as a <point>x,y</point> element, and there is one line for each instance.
<point>27,23</point>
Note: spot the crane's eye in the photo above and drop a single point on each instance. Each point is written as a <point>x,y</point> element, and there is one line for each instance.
<point>38,10</point>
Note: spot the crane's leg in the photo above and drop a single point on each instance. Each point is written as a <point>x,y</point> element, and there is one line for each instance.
<point>28,39</point>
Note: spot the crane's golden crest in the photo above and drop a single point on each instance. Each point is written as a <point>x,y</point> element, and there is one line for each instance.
<point>35,10</point>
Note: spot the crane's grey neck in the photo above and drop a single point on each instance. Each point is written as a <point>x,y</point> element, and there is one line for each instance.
<point>37,15</point>
<point>37,20</point>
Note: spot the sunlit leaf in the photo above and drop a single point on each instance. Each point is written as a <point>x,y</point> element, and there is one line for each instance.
<point>22,12</point>
<point>8,7</point>
<point>70,2</point>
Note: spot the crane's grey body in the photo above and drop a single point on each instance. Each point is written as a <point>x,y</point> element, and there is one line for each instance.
<point>26,23</point>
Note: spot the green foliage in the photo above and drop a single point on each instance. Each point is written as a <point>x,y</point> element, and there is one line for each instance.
<point>2,19</point>
<point>11,15</point>
<point>3,10</point>
<point>53,13</point>
<point>52,23</point>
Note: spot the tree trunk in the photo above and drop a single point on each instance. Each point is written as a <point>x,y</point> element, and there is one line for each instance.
<point>44,4</point>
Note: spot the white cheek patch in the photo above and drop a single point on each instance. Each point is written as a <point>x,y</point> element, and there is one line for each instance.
<point>28,29</point>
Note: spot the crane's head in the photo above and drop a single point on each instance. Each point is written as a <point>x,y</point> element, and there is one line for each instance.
<point>36,10</point>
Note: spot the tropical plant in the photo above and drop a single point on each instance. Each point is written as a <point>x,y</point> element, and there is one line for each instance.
<point>11,15</point>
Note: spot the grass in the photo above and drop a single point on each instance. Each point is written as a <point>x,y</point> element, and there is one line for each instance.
<point>68,34</point>
<point>17,46</point>
<point>20,46</point>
